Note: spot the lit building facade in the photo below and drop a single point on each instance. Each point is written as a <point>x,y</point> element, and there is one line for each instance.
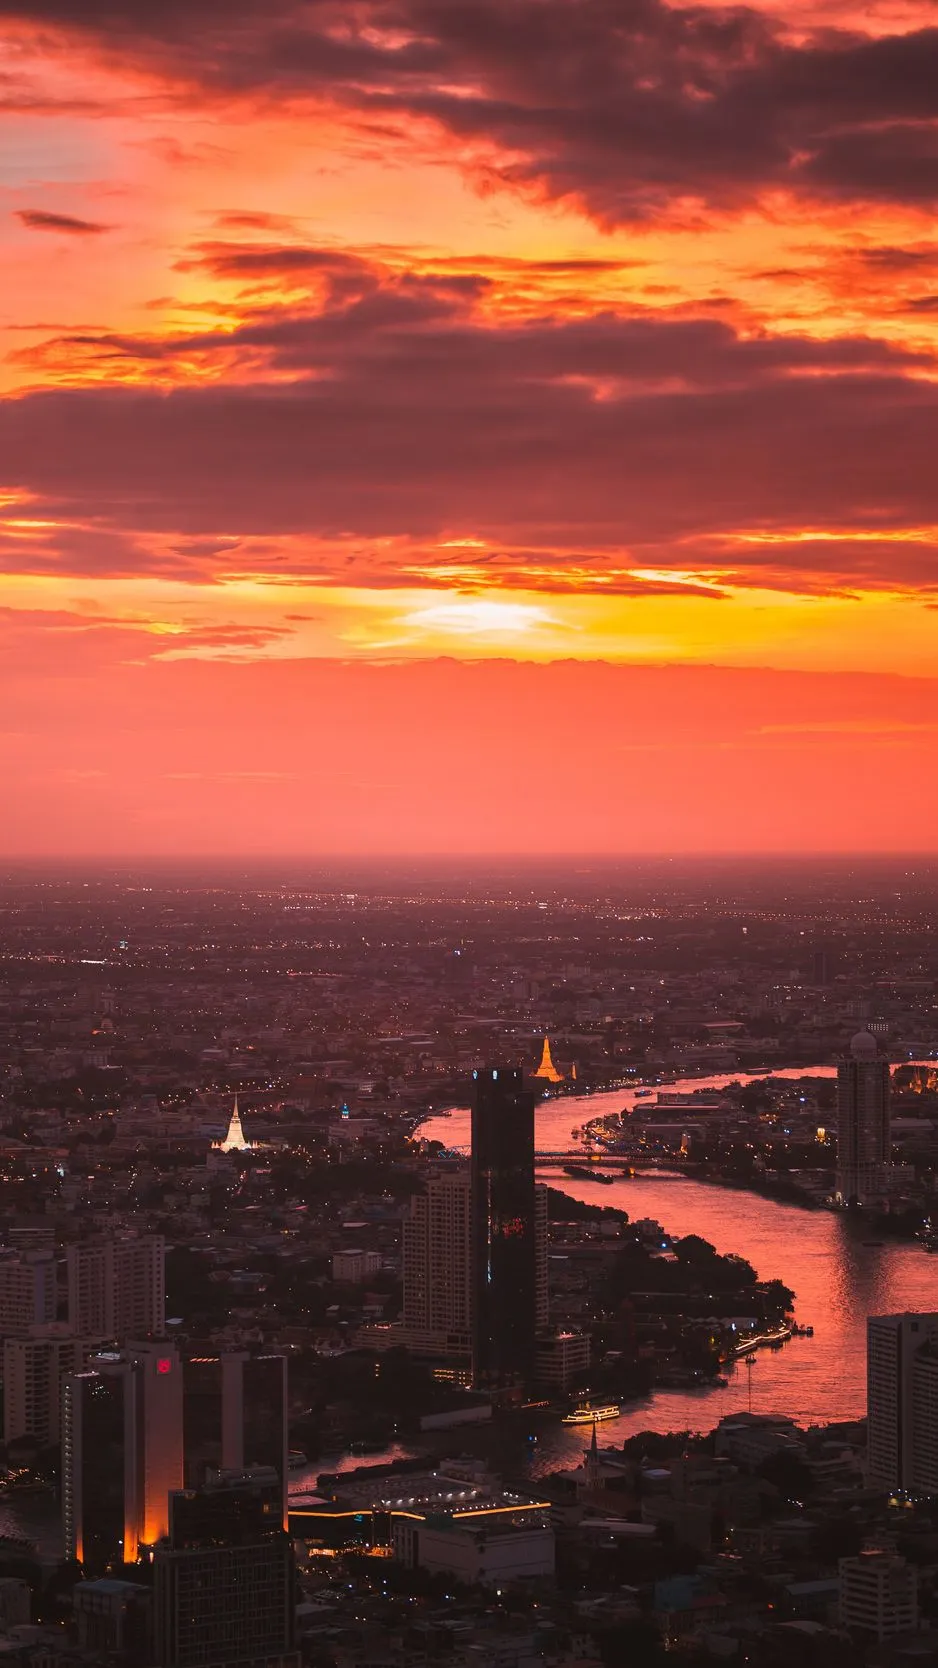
<point>122,1454</point>
<point>546,1071</point>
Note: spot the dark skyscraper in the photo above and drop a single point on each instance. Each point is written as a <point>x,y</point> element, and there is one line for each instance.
<point>224,1579</point>
<point>504,1228</point>
<point>864,1142</point>
<point>96,1467</point>
<point>121,1453</point>
<point>235,1416</point>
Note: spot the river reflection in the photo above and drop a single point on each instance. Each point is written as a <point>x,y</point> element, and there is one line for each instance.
<point>837,1279</point>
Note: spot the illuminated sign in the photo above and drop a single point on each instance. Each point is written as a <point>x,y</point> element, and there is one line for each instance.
<point>164,1364</point>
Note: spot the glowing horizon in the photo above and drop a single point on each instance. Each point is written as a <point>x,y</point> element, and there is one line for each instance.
<point>339,339</point>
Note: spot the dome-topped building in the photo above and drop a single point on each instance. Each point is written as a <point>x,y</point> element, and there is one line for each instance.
<point>864,1133</point>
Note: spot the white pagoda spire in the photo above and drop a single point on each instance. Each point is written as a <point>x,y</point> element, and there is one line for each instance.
<point>235,1141</point>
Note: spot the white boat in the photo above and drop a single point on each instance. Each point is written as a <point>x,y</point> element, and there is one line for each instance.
<point>584,1414</point>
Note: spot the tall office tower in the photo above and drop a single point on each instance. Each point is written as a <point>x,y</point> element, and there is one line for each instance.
<point>436,1255</point>
<point>541,1257</point>
<point>235,1417</point>
<point>504,1261</point>
<point>902,1409</point>
<point>33,1372</point>
<point>122,1432</point>
<point>925,1419</point>
<point>27,1291</point>
<point>97,1465</point>
<point>864,1145</point>
<point>225,1583</point>
<point>117,1287</point>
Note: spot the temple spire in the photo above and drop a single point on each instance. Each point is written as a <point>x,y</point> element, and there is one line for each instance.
<point>235,1141</point>
<point>547,1071</point>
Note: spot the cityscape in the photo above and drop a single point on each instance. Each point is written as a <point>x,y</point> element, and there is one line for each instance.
<point>535,1270</point>
<point>468,834</point>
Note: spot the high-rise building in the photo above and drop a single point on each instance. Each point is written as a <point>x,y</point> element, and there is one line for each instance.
<point>224,1581</point>
<point>97,1465</point>
<point>925,1419</point>
<point>864,1144</point>
<point>235,1417</point>
<point>33,1372</point>
<point>824,966</point>
<point>27,1291</point>
<point>504,1256</point>
<point>117,1287</point>
<point>902,1402</point>
<point>122,1453</point>
<point>436,1257</point>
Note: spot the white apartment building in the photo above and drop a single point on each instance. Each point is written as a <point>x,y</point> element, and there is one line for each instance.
<point>33,1372</point>
<point>117,1287</point>
<point>878,1594</point>
<point>354,1267</point>
<point>27,1291</point>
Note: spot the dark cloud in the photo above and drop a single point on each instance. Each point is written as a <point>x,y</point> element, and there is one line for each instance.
<point>893,259</point>
<point>398,411</point>
<point>239,260</point>
<point>621,106</point>
<point>38,220</point>
<point>422,338</point>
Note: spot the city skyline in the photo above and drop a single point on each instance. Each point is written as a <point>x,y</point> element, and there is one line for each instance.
<point>398,395</point>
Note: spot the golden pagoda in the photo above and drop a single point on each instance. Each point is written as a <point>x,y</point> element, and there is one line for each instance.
<point>547,1071</point>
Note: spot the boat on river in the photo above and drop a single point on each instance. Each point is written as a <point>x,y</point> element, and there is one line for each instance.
<point>773,1339</point>
<point>585,1172</point>
<point>586,1414</point>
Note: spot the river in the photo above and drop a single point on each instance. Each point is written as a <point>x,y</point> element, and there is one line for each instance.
<point>838,1280</point>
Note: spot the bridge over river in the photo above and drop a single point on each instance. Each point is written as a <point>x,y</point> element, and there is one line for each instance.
<point>607,1161</point>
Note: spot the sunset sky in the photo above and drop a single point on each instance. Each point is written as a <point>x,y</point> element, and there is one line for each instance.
<point>468,425</point>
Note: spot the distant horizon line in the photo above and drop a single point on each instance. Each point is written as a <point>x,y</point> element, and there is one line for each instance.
<point>333,859</point>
